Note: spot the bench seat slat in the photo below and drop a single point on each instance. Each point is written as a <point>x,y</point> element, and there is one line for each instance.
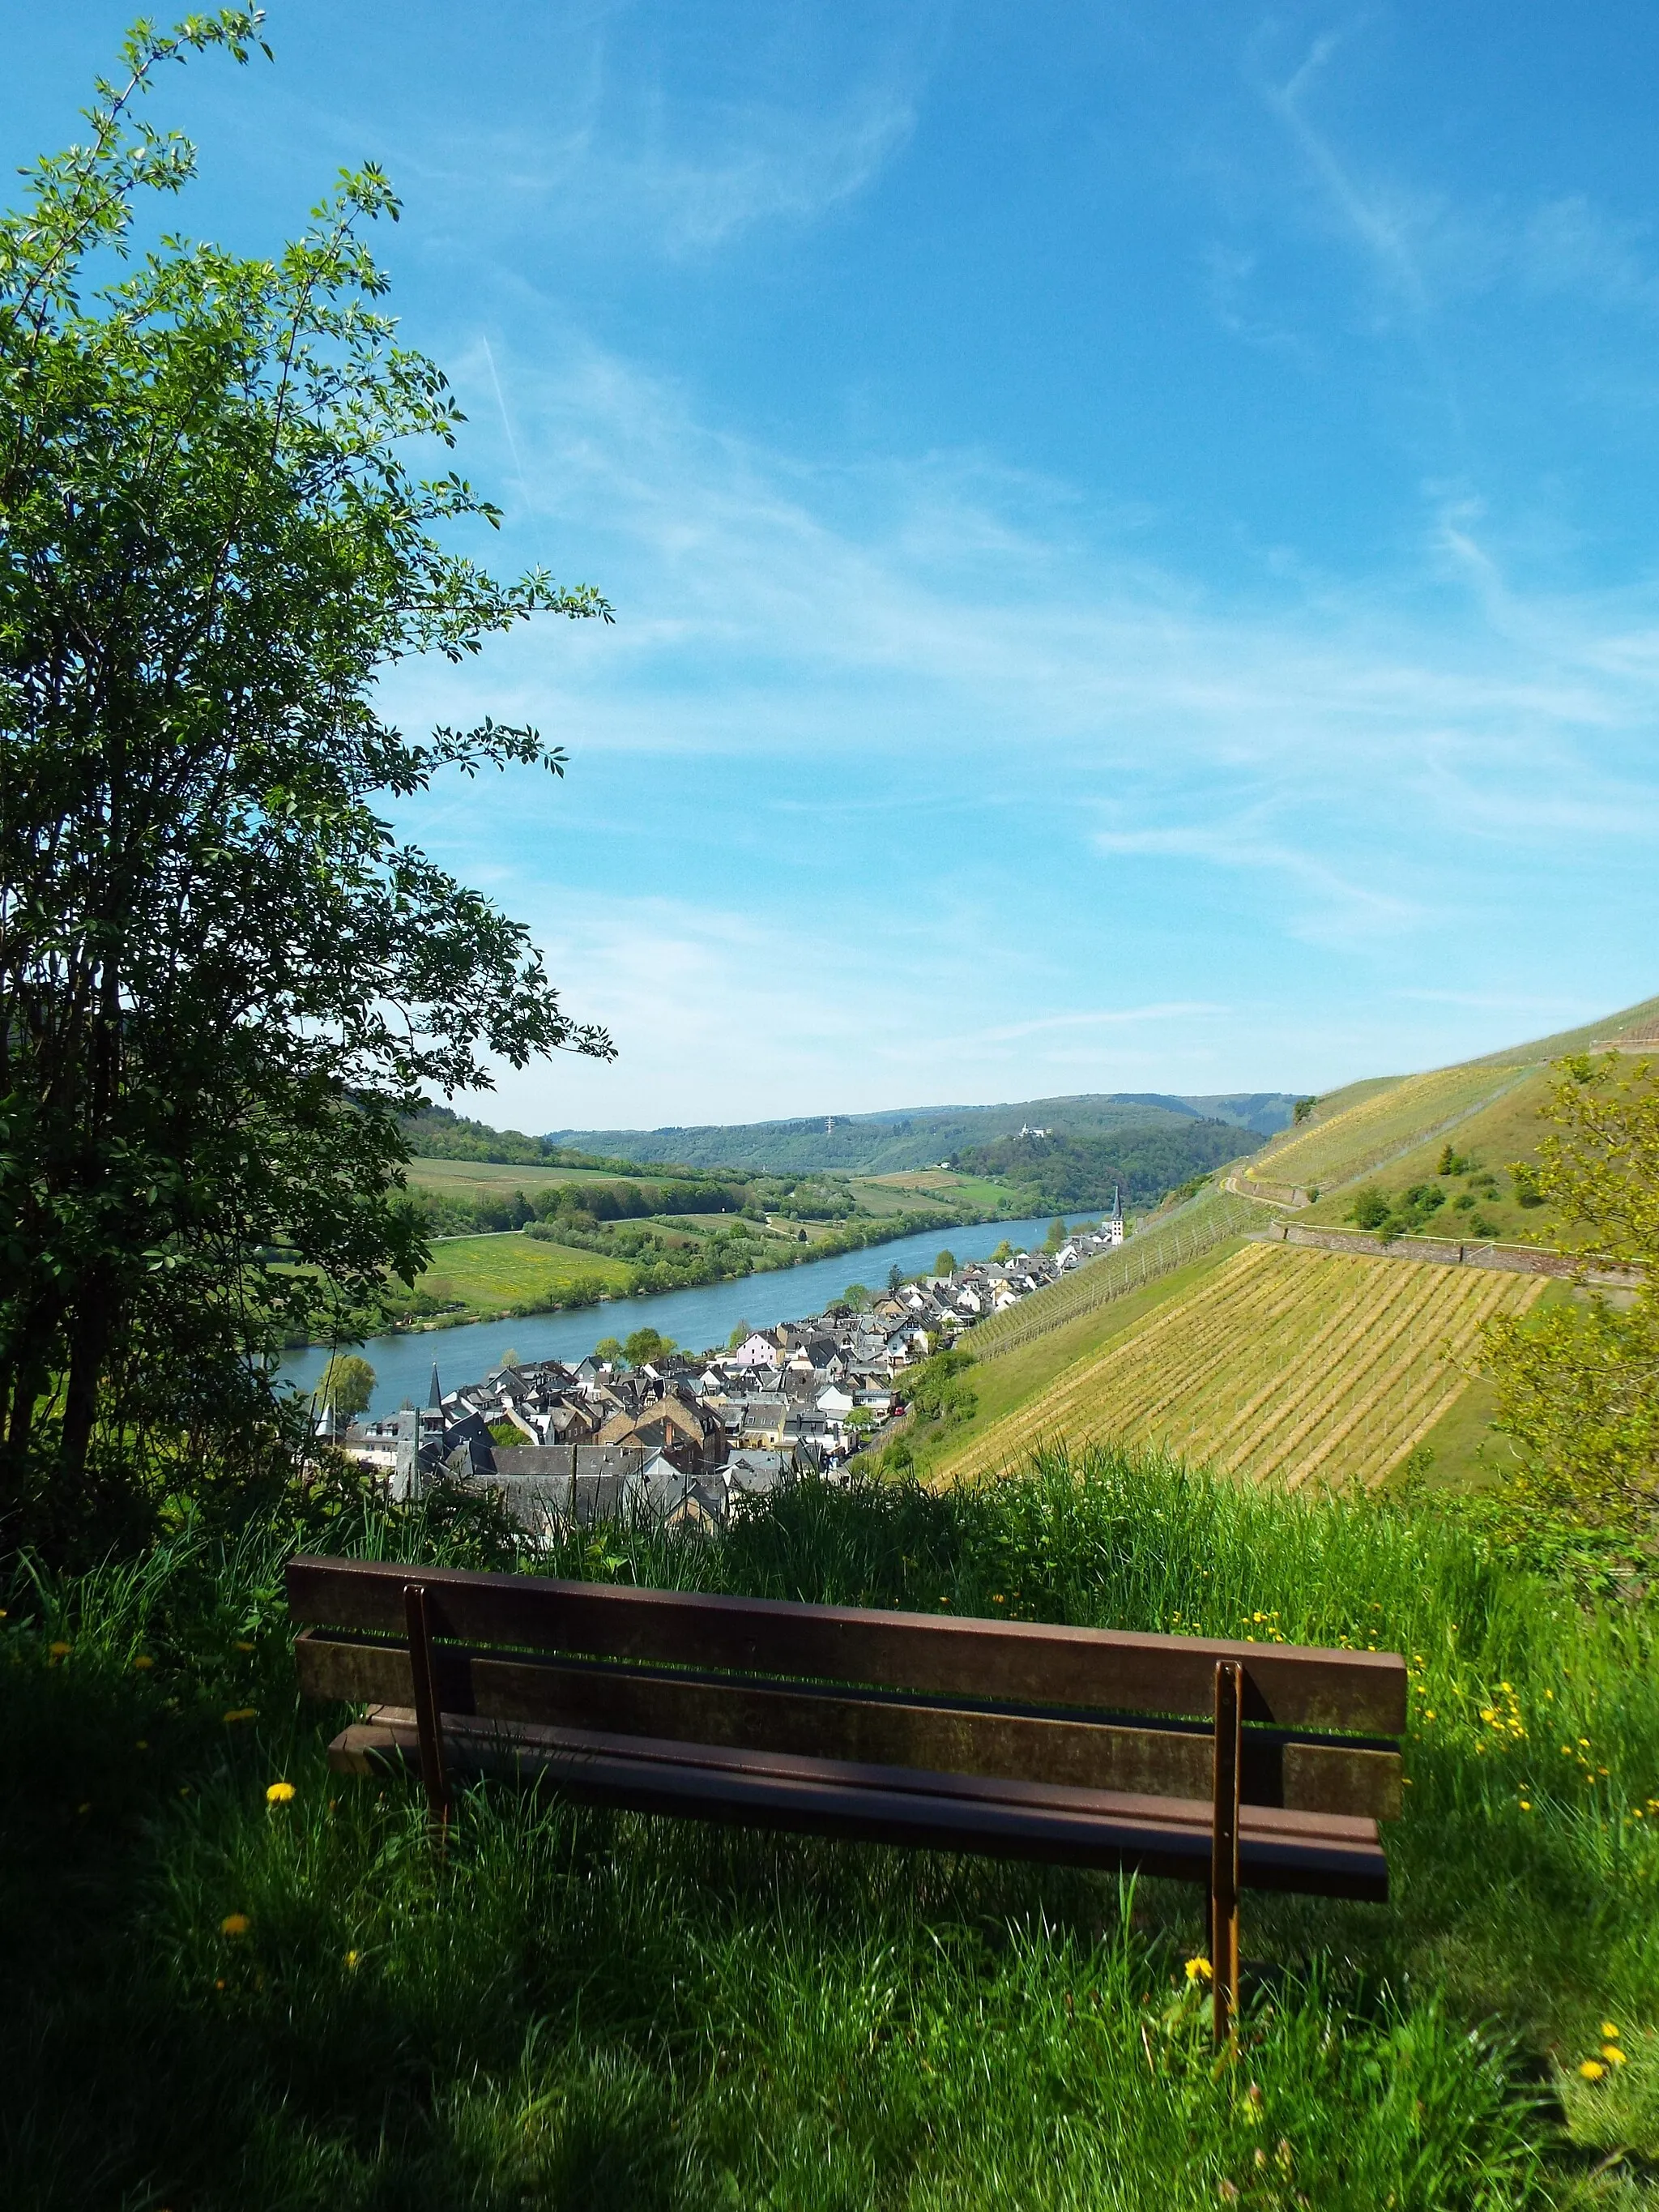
<point>1318,1854</point>
<point>878,1730</point>
<point>1360,1692</point>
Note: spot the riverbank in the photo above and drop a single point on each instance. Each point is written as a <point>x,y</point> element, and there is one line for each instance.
<point>701,1317</point>
<point>513,1274</point>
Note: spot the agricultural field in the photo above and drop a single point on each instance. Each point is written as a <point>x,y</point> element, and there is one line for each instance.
<point>1282,1365</point>
<point>474,1179</point>
<point>498,1274</point>
<point>1480,1197</point>
<point>1190,1230</point>
<point>1346,1145</point>
<point>909,1191</point>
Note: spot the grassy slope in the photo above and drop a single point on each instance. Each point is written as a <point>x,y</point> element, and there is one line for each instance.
<point>1280,1362</point>
<point>1009,1381</point>
<point>493,1274</point>
<point>489,1179</point>
<point>1507,1129</point>
<point>574,2010</point>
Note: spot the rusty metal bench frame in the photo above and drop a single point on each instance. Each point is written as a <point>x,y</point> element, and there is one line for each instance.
<point>1238,1766</point>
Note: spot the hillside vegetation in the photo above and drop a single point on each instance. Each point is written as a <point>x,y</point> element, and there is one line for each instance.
<point>1141,1163</point>
<point>218,2001</point>
<point>1290,1364</point>
<point>1279,1363</point>
<point>874,1144</point>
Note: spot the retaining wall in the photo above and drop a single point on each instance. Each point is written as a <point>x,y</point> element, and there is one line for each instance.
<point>1442,1251</point>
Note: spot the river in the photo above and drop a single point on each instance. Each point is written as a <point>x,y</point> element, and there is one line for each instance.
<point>700,1319</point>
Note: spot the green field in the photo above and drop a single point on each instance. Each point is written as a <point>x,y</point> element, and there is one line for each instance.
<point>1278,1363</point>
<point>914,1190</point>
<point>509,1274</point>
<point>472,1179</point>
<point>1340,1148</point>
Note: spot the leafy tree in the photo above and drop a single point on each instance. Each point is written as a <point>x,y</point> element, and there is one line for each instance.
<point>222,979</point>
<point>895,1277</point>
<point>946,1263</point>
<point>857,1298</point>
<point>1004,1251</point>
<point>1302,1109</point>
<point>609,1350</point>
<point>1370,1207</point>
<point>1056,1236</point>
<point>347,1384</point>
<point>1578,1388</point>
<point>646,1346</point>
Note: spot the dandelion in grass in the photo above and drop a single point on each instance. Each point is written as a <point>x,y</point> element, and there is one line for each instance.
<point>60,1650</point>
<point>242,1713</point>
<point>1592,2070</point>
<point>143,1662</point>
<point>234,1924</point>
<point>280,1793</point>
<point>351,1958</point>
<point>242,1644</point>
<point>1612,2054</point>
<point>1198,1970</point>
<point>1610,2031</point>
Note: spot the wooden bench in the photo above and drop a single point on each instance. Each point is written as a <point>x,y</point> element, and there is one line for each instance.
<point>1256,1766</point>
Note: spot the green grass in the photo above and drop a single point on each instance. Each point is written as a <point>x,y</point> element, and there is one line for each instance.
<point>576,2009</point>
<point>512,1273</point>
<point>1003,1381</point>
<point>473,1179</point>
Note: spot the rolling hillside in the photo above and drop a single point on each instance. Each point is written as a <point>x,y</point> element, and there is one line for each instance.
<point>1287,1364</point>
<point>919,1137</point>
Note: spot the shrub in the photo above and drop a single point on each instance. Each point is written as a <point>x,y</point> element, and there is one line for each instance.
<point>1370,1207</point>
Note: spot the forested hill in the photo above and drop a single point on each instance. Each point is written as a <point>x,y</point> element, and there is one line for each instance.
<point>921,1137</point>
<point>438,1134</point>
<point>1143,1162</point>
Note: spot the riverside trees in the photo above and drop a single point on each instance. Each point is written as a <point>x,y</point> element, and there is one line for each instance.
<point>221,976</point>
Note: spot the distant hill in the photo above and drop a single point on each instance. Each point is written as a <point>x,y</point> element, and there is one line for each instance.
<point>921,1137</point>
<point>1141,1161</point>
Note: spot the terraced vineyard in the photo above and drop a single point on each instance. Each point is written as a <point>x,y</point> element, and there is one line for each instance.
<point>1353,1143</point>
<point>1284,1364</point>
<point>1157,1250</point>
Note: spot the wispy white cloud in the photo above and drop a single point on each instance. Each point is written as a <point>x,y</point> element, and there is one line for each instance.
<point>941,643</point>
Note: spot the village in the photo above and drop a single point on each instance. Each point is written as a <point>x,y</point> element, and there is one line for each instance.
<point>682,1439</point>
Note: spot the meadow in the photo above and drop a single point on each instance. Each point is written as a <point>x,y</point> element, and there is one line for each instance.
<point>1278,1363</point>
<point>513,1273</point>
<point>1339,1146</point>
<point>235,1980</point>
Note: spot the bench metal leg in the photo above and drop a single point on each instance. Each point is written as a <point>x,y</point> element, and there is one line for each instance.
<point>429,1720</point>
<point>1223,1848</point>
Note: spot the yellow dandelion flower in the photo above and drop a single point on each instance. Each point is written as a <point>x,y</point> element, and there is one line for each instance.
<point>242,1644</point>
<point>1609,2032</point>
<point>280,1793</point>
<point>351,1961</point>
<point>242,1713</point>
<point>234,1924</point>
<point>1488,1712</point>
<point>61,1650</point>
<point>1612,2054</point>
<point>143,1661</point>
<point>1199,1970</point>
<point>1592,2070</point>
<point>1505,1687</point>
<point>1526,1804</point>
<point>1429,1715</point>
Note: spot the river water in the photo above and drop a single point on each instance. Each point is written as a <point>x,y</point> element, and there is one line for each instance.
<point>699,1319</point>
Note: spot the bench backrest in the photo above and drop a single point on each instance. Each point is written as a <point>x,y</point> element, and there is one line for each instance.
<point>1101,1708</point>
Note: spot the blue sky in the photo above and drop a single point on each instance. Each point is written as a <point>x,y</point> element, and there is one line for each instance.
<point>1135,532</point>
